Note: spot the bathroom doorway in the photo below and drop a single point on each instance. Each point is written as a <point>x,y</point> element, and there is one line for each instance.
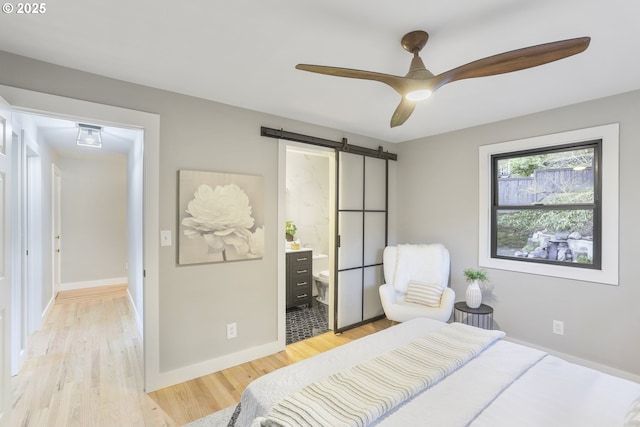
<point>310,196</point>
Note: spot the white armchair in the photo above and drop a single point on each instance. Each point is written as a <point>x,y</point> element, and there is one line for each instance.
<point>422,264</point>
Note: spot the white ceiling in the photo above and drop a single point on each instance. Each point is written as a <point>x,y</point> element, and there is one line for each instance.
<point>61,134</point>
<point>244,52</point>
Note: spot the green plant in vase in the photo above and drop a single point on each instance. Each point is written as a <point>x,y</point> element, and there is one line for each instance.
<point>480,275</point>
<point>290,231</point>
<point>473,295</point>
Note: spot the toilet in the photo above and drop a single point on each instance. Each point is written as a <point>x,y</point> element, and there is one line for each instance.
<point>321,276</point>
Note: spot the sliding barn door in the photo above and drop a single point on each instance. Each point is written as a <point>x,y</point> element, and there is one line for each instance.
<point>362,237</point>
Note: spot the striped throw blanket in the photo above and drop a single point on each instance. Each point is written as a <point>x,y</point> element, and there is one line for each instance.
<point>361,394</point>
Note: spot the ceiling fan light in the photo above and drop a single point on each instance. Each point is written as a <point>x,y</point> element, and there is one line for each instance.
<point>418,95</point>
<point>89,136</point>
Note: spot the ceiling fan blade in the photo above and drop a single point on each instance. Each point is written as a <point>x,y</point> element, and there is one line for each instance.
<point>403,112</point>
<point>398,83</point>
<point>514,60</point>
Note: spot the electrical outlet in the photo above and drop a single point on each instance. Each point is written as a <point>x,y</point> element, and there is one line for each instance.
<point>558,327</point>
<point>232,330</point>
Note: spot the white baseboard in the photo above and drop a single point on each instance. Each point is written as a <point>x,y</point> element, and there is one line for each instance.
<point>46,310</point>
<point>579,361</point>
<point>93,283</point>
<point>166,379</point>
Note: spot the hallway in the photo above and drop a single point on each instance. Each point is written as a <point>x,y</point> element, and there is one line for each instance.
<point>84,368</point>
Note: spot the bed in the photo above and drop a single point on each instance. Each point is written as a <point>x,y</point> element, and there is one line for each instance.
<point>502,384</point>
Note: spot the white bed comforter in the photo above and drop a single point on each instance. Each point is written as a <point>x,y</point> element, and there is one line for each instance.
<point>507,385</point>
<point>557,393</point>
<point>266,391</point>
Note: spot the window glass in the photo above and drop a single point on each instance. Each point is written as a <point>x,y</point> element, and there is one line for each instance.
<point>534,234</point>
<point>548,178</point>
<point>545,205</point>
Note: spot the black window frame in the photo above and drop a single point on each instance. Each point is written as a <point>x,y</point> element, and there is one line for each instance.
<point>596,206</point>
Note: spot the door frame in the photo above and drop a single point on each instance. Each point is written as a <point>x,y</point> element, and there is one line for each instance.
<point>25,171</point>
<point>18,247</point>
<point>6,260</point>
<point>57,106</point>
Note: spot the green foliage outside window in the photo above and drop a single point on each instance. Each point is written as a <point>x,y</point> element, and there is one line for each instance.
<point>552,220</point>
<point>525,166</point>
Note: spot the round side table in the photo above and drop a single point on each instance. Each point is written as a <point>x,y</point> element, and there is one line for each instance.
<point>482,317</point>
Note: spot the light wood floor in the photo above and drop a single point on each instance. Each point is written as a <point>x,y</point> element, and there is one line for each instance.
<point>84,368</point>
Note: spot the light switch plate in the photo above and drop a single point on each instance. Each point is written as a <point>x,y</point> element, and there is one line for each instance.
<point>165,237</point>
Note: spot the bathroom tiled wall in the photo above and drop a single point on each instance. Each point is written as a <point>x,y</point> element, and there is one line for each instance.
<point>307,198</point>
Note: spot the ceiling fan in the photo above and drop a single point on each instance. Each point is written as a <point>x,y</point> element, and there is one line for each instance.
<point>419,83</point>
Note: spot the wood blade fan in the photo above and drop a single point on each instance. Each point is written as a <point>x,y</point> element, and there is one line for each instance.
<point>419,83</point>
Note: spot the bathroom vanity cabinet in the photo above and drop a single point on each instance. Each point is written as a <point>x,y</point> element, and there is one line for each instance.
<point>299,278</point>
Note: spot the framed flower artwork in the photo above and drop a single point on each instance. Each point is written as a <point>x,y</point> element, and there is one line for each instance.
<point>221,217</point>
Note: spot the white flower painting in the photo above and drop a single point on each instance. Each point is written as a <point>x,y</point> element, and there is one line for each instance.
<point>221,217</point>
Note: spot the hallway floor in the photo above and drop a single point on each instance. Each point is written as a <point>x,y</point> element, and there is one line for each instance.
<point>84,368</point>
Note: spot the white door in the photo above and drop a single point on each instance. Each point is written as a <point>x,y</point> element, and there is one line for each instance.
<point>362,230</point>
<point>18,251</point>
<point>5,262</point>
<point>57,238</point>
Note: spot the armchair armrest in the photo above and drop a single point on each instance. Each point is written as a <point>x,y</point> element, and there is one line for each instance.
<point>387,293</point>
<point>448,298</point>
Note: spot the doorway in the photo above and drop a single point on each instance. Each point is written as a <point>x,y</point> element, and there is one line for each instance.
<point>363,225</point>
<point>147,194</point>
<point>309,206</point>
<point>98,190</point>
<point>26,242</point>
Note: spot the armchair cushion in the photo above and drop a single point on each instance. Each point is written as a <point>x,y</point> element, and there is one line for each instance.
<point>424,293</point>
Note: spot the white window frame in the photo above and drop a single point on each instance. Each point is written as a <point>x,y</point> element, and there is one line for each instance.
<point>608,273</point>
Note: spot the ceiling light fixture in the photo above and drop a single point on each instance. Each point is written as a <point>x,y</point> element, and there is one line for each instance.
<point>89,136</point>
<point>418,95</point>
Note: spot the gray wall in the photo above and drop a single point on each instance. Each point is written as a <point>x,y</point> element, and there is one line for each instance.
<point>438,193</point>
<point>94,213</point>
<point>196,302</point>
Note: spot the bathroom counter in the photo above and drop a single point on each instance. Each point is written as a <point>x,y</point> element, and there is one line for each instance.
<point>298,250</point>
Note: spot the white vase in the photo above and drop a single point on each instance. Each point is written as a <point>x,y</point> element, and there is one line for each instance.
<point>473,295</point>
